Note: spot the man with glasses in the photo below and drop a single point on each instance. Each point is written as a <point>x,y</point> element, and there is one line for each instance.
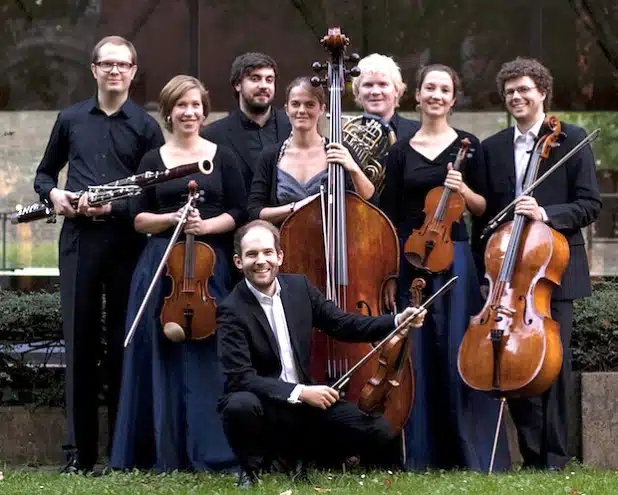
<point>256,124</point>
<point>567,201</point>
<point>102,139</point>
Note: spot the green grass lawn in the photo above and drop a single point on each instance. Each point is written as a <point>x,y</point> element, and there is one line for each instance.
<point>574,481</point>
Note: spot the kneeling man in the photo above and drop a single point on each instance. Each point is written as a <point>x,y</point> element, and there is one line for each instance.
<point>270,408</point>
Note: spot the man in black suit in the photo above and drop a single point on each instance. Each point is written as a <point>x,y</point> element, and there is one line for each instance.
<point>567,201</point>
<point>270,408</point>
<point>256,124</point>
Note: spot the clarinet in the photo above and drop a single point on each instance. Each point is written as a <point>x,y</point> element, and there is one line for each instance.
<point>112,191</point>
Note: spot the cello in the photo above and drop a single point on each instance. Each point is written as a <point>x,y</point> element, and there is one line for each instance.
<point>348,248</point>
<point>512,348</point>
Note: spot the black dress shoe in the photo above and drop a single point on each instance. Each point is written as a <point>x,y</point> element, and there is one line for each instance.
<point>73,464</point>
<point>247,479</point>
<point>298,473</point>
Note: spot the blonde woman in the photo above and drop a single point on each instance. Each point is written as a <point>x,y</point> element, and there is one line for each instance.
<point>167,415</point>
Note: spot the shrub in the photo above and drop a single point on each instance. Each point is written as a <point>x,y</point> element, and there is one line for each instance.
<point>35,319</point>
<point>595,329</point>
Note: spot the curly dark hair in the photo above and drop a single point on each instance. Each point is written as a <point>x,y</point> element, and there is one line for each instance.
<point>246,63</point>
<point>522,67</point>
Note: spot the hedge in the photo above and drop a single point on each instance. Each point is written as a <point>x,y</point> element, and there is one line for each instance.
<point>34,317</point>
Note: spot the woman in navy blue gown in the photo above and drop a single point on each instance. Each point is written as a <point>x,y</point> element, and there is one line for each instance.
<point>167,417</point>
<point>451,426</point>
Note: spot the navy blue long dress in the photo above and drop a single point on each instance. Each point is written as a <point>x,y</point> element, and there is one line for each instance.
<point>451,425</point>
<point>167,416</point>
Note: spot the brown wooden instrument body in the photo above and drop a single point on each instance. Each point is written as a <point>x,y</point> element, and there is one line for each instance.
<point>345,246</point>
<point>373,254</point>
<point>431,247</point>
<point>530,351</point>
<point>390,390</point>
<point>190,265</point>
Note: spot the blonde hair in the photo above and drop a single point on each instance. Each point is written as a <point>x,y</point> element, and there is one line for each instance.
<point>176,87</point>
<point>381,64</point>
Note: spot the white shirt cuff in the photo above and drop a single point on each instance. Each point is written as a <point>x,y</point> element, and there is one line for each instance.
<point>293,398</point>
<point>397,319</point>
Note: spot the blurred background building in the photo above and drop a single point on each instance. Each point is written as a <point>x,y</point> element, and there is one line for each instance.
<point>44,67</point>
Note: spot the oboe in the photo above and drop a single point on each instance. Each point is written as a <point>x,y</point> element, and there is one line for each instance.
<point>118,189</point>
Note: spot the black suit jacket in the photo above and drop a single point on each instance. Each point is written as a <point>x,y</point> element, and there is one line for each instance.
<point>248,350</point>
<point>229,132</point>
<point>570,197</point>
<point>404,128</point>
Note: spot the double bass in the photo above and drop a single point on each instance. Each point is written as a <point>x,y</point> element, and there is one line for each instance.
<point>348,248</point>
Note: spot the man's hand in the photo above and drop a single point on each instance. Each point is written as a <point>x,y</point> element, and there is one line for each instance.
<point>417,322</point>
<point>527,206</point>
<point>390,290</point>
<point>319,396</point>
<point>84,208</point>
<point>61,200</point>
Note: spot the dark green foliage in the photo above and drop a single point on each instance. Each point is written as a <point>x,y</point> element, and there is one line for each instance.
<point>28,317</point>
<point>595,329</point>
<point>34,319</point>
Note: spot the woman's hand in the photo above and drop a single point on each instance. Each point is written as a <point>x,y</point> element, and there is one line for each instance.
<point>303,202</point>
<point>194,224</point>
<point>454,180</point>
<point>338,153</point>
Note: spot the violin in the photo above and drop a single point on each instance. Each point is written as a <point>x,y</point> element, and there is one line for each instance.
<point>345,245</point>
<point>395,365</point>
<point>189,311</point>
<point>431,248</point>
<point>512,347</point>
<point>389,391</point>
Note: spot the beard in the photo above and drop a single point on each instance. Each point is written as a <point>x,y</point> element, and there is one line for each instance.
<point>257,107</point>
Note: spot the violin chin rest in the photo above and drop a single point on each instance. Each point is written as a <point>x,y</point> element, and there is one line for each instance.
<point>174,332</point>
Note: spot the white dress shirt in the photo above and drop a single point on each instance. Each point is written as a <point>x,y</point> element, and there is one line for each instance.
<point>273,309</point>
<point>523,144</point>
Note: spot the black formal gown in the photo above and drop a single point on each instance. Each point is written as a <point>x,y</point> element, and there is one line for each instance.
<point>451,426</point>
<point>167,415</point>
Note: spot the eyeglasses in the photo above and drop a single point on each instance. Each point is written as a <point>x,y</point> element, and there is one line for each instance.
<point>108,66</point>
<point>522,90</point>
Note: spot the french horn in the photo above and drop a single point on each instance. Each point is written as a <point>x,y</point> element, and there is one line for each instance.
<point>370,137</point>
